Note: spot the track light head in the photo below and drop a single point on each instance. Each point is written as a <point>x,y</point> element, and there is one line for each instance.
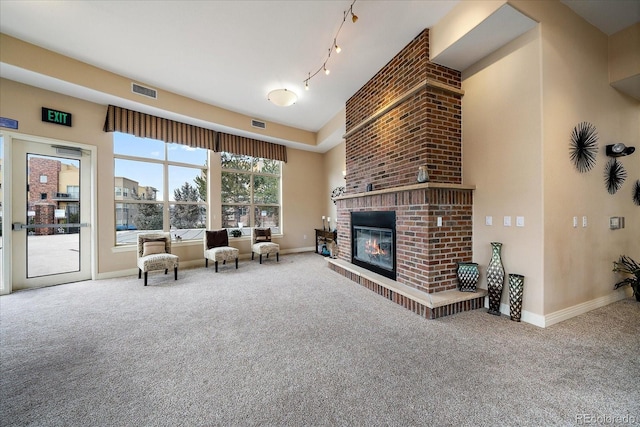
<point>354,17</point>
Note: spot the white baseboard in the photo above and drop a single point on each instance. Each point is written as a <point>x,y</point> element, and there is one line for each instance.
<point>567,313</point>
<point>576,310</point>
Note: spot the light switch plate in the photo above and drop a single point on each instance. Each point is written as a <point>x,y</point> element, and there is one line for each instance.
<point>439,221</point>
<point>519,221</point>
<point>507,221</point>
<point>488,220</point>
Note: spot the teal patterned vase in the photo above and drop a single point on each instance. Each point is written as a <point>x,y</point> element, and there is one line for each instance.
<point>468,275</point>
<point>495,278</point>
<point>516,285</point>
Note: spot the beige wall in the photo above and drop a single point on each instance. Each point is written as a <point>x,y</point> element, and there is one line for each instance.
<point>303,197</point>
<point>520,106</point>
<point>502,157</point>
<point>334,164</point>
<point>624,53</point>
<point>576,88</point>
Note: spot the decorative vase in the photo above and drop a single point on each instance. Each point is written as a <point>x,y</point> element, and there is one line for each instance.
<point>423,175</point>
<point>495,279</point>
<point>516,285</point>
<point>468,275</point>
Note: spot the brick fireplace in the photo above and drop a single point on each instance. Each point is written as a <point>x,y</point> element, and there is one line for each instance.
<point>410,115</point>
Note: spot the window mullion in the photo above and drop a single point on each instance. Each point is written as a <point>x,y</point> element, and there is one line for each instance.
<point>166,217</point>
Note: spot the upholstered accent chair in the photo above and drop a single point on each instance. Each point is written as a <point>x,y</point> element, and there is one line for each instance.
<point>154,253</point>
<point>216,248</point>
<point>262,244</point>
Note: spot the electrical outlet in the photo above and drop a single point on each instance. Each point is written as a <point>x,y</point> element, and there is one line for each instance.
<point>519,221</point>
<point>304,237</point>
<point>488,220</point>
<point>575,221</point>
<point>507,221</point>
<point>439,221</point>
<point>584,221</point>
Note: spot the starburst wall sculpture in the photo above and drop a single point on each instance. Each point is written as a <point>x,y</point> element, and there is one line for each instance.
<point>584,146</point>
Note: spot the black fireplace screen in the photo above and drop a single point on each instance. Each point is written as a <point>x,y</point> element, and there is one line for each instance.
<point>373,241</point>
<point>374,246</point>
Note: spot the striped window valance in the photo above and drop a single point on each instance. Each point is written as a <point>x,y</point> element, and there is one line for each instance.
<point>250,147</point>
<point>147,126</point>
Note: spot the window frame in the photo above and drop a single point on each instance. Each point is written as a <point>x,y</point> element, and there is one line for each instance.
<point>166,202</point>
<point>252,205</point>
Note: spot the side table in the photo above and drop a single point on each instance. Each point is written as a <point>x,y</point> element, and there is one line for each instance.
<point>325,236</point>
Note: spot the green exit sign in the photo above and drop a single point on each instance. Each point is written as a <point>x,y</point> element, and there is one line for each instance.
<point>55,116</point>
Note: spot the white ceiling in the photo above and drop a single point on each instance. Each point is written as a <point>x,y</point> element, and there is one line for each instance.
<point>232,53</point>
<point>610,16</point>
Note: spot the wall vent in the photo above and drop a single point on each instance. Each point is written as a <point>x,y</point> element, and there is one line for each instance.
<point>144,91</point>
<point>258,124</point>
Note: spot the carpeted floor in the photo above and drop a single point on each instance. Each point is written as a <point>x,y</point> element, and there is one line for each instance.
<point>293,343</point>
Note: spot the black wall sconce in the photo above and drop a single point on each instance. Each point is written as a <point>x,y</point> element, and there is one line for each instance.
<point>618,150</point>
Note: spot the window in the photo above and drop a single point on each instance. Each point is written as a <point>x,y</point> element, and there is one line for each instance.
<point>250,192</point>
<point>158,186</point>
<point>73,191</point>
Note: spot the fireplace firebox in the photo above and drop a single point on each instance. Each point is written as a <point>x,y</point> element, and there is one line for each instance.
<point>373,241</point>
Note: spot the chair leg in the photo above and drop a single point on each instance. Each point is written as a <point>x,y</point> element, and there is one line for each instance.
<point>236,263</point>
<point>206,263</point>
<point>145,277</point>
<point>216,266</point>
<point>267,255</point>
<point>260,258</point>
<point>139,273</point>
<point>252,254</point>
<point>175,272</point>
<point>277,256</point>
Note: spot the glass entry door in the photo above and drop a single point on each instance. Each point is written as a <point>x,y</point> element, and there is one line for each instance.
<point>51,211</point>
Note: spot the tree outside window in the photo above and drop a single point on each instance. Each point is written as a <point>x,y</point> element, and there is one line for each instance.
<point>250,192</point>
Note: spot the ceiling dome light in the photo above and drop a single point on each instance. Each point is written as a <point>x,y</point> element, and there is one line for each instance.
<point>282,97</point>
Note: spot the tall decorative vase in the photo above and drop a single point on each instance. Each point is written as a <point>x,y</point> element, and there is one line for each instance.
<point>468,275</point>
<point>495,278</point>
<point>516,285</point>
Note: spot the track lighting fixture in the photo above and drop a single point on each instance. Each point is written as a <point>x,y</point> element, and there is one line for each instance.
<point>334,45</point>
